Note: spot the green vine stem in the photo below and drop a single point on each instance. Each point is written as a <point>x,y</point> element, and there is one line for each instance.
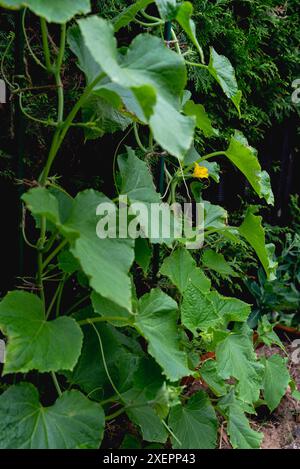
<point>54,298</point>
<point>33,55</point>
<point>195,64</point>
<point>211,155</point>
<point>170,431</point>
<point>40,246</point>
<point>35,119</point>
<point>54,253</point>
<point>176,42</point>
<point>114,398</point>
<point>104,362</point>
<point>23,228</point>
<point>203,158</point>
<point>84,322</point>
<point>44,30</point>
<point>151,18</point>
<point>115,414</point>
<point>137,137</point>
<point>56,384</point>
<point>57,74</point>
<point>148,25</point>
<point>59,296</point>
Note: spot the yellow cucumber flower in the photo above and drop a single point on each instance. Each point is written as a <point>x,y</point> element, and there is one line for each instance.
<point>200,172</point>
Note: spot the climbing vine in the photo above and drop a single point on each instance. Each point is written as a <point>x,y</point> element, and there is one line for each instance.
<point>117,350</point>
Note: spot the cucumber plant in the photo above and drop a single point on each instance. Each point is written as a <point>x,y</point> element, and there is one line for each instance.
<point>114,351</point>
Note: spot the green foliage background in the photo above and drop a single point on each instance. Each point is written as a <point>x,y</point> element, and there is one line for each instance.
<point>261,39</point>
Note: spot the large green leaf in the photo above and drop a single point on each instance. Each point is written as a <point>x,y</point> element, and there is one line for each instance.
<point>215,216</point>
<point>137,181</point>
<point>157,322</point>
<point>205,310</point>
<point>143,253</point>
<point>251,229</point>
<point>73,422</point>
<point>102,116</point>
<point>141,401</point>
<point>122,357</point>
<point>223,72</point>
<point>86,62</point>
<point>184,18</point>
<point>167,8</point>
<point>103,111</point>
<point>33,342</point>
<point>54,11</point>
<point>216,261</point>
<point>242,436</point>
<point>244,157</point>
<point>194,424</point>
<point>127,15</point>
<point>237,359</point>
<point>107,261</point>
<point>276,380</point>
<point>266,333</point>
<point>216,219</point>
<point>230,309</point>
<point>141,72</point>
<point>203,122</point>
<point>209,373</point>
<point>67,262</point>
<point>180,267</point>
<point>198,312</point>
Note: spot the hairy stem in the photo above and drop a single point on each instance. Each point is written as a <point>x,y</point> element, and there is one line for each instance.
<point>57,74</point>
